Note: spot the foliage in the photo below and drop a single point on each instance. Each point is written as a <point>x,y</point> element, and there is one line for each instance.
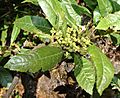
<point>14,34</point>
<point>62,29</point>
<point>104,69</point>
<point>5,77</point>
<point>110,21</point>
<point>33,24</point>
<point>116,38</point>
<point>116,83</point>
<point>84,73</point>
<point>45,57</point>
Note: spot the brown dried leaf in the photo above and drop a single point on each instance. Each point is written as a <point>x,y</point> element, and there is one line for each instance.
<point>46,86</point>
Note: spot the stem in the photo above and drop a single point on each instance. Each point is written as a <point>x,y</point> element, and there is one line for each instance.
<point>14,83</point>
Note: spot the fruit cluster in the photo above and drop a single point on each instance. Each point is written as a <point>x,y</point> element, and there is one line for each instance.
<point>71,40</point>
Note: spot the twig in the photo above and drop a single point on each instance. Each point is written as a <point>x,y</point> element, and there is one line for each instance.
<point>5,14</point>
<point>14,83</point>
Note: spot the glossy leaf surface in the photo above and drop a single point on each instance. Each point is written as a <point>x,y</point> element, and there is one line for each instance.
<point>71,12</point>
<point>105,7</point>
<point>43,58</point>
<point>115,4</point>
<point>96,15</point>
<point>81,10</point>
<point>91,3</point>
<point>104,68</point>
<point>53,12</point>
<point>33,24</point>
<point>5,77</point>
<point>85,74</point>
<point>110,21</point>
<point>15,33</point>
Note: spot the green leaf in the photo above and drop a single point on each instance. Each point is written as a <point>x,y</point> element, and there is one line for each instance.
<point>15,33</point>
<point>5,77</point>
<point>71,12</point>
<point>35,2</point>
<point>116,83</point>
<point>73,1</point>
<point>4,36</point>
<point>59,11</point>
<point>105,7</point>
<point>81,10</point>
<point>115,38</point>
<point>85,74</point>
<point>104,68</point>
<point>96,15</point>
<point>45,57</point>
<point>49,11</point>
<point>33,24</point>
<point>78,64</point>
<point>53,12</point>
<point>115,5</point>
<point>110,21</point>
<point>1,57</point>
<point>91,3</point>
<point>70,21</point>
